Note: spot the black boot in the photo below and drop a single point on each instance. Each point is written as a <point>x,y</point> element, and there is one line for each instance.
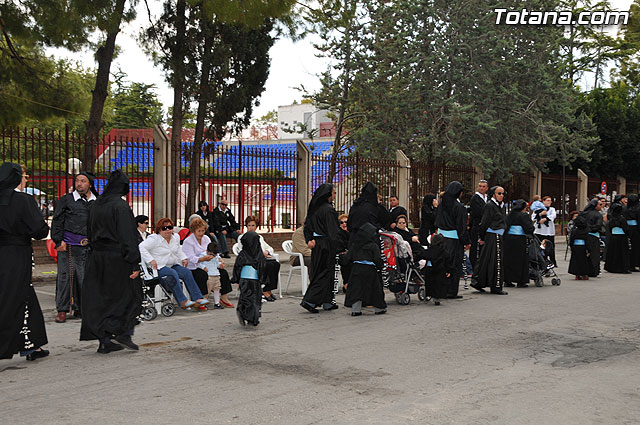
<point>108,346</point>
<point>127,342</point>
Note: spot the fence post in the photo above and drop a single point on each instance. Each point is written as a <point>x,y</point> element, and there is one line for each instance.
<point>477,176</point>
<point>162,173</point>
<point>404,173</point>
<point>622,185</point>
<point>303,181</point>
<point>583,184</point>
<point>535,185</point>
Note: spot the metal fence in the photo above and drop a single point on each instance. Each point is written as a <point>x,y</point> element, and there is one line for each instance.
<point>52,159</point>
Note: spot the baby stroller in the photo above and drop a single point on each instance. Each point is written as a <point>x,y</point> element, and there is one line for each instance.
<point>154,295</point>
<point>538,266</point>
<point>401,275</point>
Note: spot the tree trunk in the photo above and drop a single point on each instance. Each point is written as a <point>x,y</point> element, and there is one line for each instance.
<point>105,56</point>
<point>176,119</point>
<point>194,172</point>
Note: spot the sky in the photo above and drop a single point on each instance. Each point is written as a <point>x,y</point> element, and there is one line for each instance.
<point>292,64</point>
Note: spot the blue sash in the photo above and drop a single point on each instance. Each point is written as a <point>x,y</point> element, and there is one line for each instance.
<point>617,231</point>
<point>429,263</point>
<point>366,263</point>
<point>449,234</point>
<point>632,222</point>
<point>497,232</point>
<point>578,242</point>
<point>516,230</point>
<point>597,235</point>
<point>317,235</point>
<point>249,272</point>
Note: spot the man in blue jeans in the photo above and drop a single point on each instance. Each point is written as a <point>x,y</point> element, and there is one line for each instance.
<point>228,227</point>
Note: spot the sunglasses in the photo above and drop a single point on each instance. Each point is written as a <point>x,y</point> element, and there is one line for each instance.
<point>343,222</point>
<point>146,222</point>
<point>166,228</point>
<point>501,193</point>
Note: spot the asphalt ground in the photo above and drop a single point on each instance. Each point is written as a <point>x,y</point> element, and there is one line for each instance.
<point>563,354</point>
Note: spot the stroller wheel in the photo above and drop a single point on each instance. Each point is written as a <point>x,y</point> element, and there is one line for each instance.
<point>168,309</point>
<point>403,299</point>
<point>555,281</point>
<point>149,313</point>
<point>539,282</point>
<point>422,293</point>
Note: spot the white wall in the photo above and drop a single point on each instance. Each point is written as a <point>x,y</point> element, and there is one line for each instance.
<point>289,116</point>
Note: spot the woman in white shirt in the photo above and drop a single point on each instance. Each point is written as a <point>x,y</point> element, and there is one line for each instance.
<point>272,268</point>
<point>163,252</point>
<point>546,228</point>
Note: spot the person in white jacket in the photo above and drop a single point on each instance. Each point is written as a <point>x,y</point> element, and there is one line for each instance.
<point>163,252</point>
<point>545,228</point>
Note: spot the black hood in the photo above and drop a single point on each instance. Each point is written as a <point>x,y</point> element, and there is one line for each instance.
<point>518,205</point>
<point>367,233</point>
<point>451,194</point>
<point>427,201</point>
<point>615,210</point>
<point>633,200</point>
<point>320,196</point>
<point>10,178</point>
<point>118,184</point>
<point>368,194</point>
<point>591,206</point>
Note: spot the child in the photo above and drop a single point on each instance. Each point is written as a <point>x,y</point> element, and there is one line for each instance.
<point>249,271</point>
<point>440,266</point>
<point>211,267</point>
<point>365,284</point>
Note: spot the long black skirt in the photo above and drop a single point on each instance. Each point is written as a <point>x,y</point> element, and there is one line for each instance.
<point>437,283</point>
<point>201,277</point>
<point>111,301</point>
<point>323,259</point>
<point>455,249</point>
<point>593,248</point>
<point>634,255</point>
<point>579,264</point>
<point>516,259</point>
<point>272,270</point>
<point>488,271</point>
<point>365,285</point>
<point>617,254</point>
<point>21,321</point>
<point>250,300</point>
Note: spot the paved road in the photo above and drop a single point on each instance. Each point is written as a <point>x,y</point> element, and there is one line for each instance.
<point>551,355</point>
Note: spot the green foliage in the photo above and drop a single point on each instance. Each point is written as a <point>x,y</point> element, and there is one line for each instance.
<point>136,105</point>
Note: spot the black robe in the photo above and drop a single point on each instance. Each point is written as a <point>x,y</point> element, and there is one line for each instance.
<point>516,260</point>
<point>366,209</point>
<point>249,306</point>
<point>427,219</point>
<point>475,217</point>
<point>20,221</point>
<point>594,221</point>
<point>342,248</point>
<point>632,212</point>
<point>579,264</point>
<point>441,264</point>
<point>365,283</point>
<point>322,220</point>
<point>452,215</point>
<point>617,260</point>
<point>111,300</point>
<point>489,270</point>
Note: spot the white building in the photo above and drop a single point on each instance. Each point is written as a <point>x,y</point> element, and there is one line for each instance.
<point>306,114</point>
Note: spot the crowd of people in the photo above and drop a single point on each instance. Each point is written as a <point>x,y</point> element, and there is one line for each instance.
<point>100,246</point>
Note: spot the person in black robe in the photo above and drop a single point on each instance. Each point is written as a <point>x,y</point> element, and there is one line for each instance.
<point>594,223</point>
<point>365,284</point>
<point>342,248</point>
<point>617,260</point>
<point>476,208</point>
<point>427,218</point>
<point>22,327</point>
<point>366,209</point>
<point>489,271</point>
<point>249,272</point>
<point>516,259</point>
<point>579,264</point>
<point>632,215</point>
<point>451,222</point>
<point>439,268</point>
<point>112,292</point>
<point>321,234</point>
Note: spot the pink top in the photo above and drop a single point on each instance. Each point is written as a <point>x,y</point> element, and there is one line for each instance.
<point>192,249</point>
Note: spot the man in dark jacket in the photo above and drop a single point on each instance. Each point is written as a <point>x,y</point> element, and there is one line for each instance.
<point>228,227</point>
<point>69,233</point>
<point>395,210</point>
<point>478,201</point>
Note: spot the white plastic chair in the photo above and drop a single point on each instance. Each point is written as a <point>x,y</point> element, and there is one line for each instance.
<point>287,246</point>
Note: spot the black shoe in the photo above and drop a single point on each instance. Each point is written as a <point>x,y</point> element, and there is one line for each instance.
<point>37,355</point>
<point>218,306</point>
<point>308,307</point>
<point>127,342</point>
<point>454,297</point>
<point>436,302</point>
<point>108,347</point>
<point>271,298</point>
<point>77,314</point>
<point>353,313</point>
<point>226,255</point>
<point>523,285</point>
<point>380,312</point>
<point>478,288</point>
<point>510,285</point>
<point>500,292</point>
<point>333,307</point>
<point>240,319</point>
